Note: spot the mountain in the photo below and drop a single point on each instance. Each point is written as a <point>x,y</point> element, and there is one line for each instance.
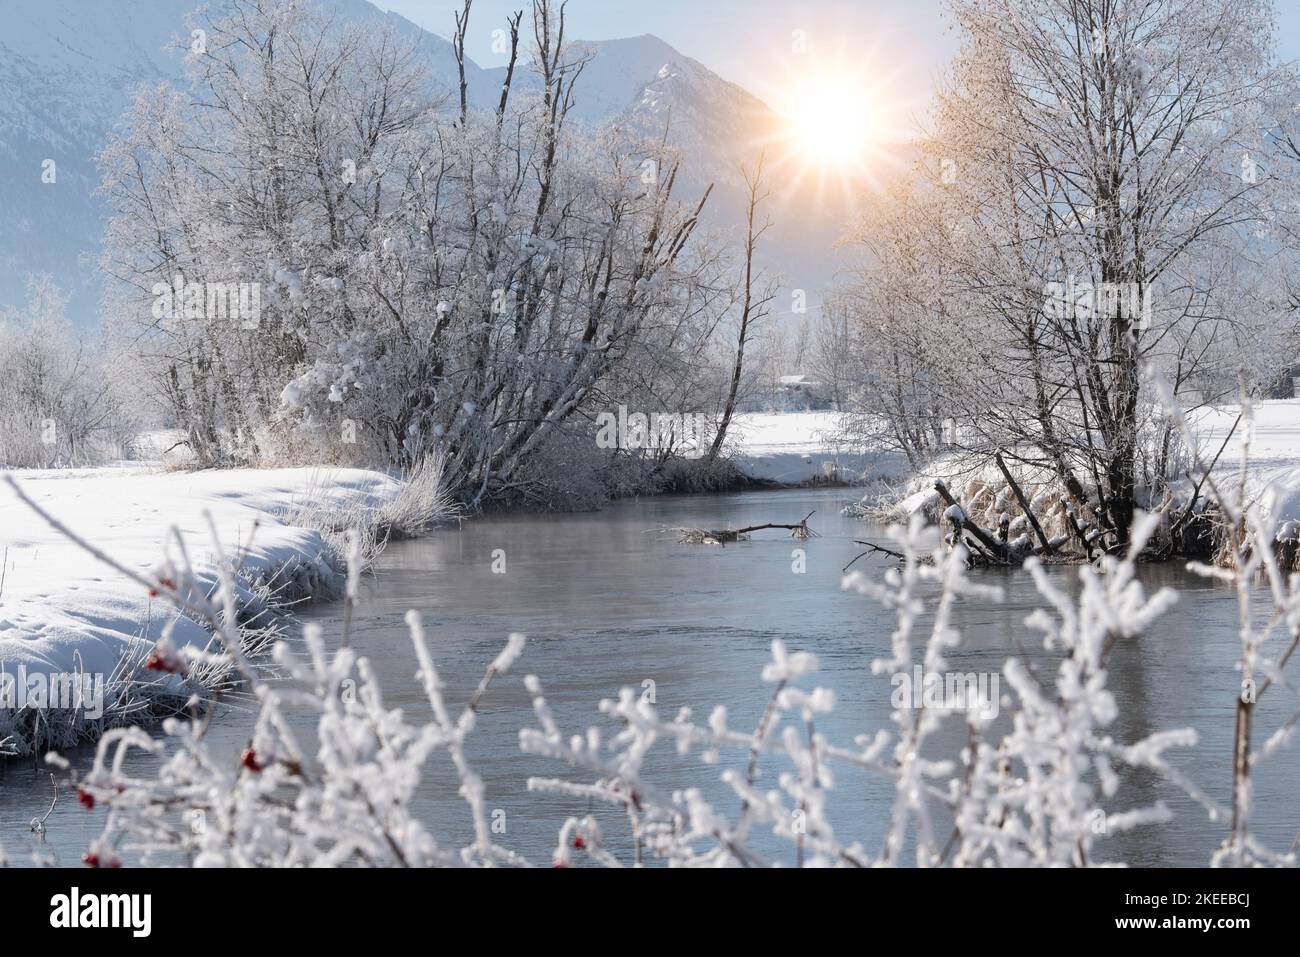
<point>719,127</point>
<point>65,71</point>
<point>646,86</point>
<point>68,68</point>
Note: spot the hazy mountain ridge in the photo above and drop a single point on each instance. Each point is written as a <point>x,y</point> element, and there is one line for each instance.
<point>66,72</point>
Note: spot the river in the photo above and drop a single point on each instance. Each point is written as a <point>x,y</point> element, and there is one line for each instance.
<point>610,599</point>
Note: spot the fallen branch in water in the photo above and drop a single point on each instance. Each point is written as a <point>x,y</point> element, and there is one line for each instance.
<point>872,548</point>
<point>720,536</point>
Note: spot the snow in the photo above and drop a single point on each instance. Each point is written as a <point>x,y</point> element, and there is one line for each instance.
<point>1274,447</point>
<point>1275,440</point>
<point>63,611</point>
<point>796,447</point>
<point>1274,463</point>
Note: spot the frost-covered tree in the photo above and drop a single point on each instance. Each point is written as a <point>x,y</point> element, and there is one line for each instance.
<point>61,403</point>
<point>1098,194</point>
<point>430,277</point>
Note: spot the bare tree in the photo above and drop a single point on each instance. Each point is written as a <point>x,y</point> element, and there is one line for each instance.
<point>754,300</point>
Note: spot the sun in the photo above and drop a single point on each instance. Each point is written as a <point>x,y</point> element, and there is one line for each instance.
<point>841,110</point>
<point>830,119</point>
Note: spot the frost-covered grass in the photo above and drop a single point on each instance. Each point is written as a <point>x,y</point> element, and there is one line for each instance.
<point>1040,790</point>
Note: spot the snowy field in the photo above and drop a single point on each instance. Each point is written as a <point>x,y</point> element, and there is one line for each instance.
<point>61,610</point>
<point>1275,440</point>
<point>802,447</point>
<point>798,446</point>
<point>1274,450</point>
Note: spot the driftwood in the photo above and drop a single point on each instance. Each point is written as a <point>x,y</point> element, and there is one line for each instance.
<point>983,548</point>
<point>872,548</point>
<point>721,536</point>
<point>986,547</point>
<point>1024,504</point>
<point>1075,527</point>
<point>994,551</point>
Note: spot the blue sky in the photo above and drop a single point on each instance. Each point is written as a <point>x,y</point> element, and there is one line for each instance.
<point>748,41</point>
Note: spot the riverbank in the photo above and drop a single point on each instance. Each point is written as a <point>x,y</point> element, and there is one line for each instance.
<point>70,624</point>
<point>67,621</point>
<point>1271,445</point>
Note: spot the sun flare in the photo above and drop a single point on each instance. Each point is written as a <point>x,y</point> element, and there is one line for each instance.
<point>831,122</point>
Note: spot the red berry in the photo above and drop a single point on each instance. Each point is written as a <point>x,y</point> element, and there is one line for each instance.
<point>165,663</point>
<point>249,760</point>
<point>90,860</point>
<point>578,842</point>
<point>86,799</point>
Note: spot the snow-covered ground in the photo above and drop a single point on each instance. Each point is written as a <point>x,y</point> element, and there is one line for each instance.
<point>1273,451</point>
<point>1275,440</point>
<point>62,611</point>
<point>799,447</point>
<point>1273,460</point>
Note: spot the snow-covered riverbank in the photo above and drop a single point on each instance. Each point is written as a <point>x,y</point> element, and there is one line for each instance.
<point>1272,444</point>
<point>1273,451</point>
<point>63,612</point>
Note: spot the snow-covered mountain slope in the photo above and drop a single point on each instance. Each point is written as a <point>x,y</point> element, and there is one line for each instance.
<point>66,67</point>
<point>646,85</point>
<point>67,71</point>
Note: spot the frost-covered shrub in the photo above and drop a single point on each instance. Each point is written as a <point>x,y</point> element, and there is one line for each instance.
<point>570,472</point>
<point>1038,790</point>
